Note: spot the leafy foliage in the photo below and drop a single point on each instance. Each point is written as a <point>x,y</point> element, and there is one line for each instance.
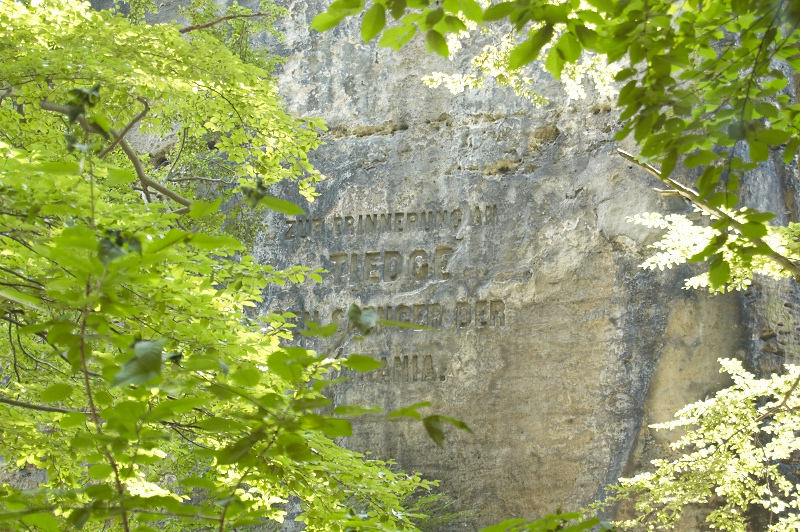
<point>730,455</point>
<point>135,372</point>
<point>687,240</point>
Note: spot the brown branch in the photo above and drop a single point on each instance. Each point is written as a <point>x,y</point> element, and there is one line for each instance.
<point>187,29</point>
<point>30,406</point>
<point>692,196</point>
<point>125,131</point>
<point>132,156</point>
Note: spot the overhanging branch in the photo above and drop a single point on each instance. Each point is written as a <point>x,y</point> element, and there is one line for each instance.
<point>689,194</point>
<point>126,148</point>
<point>187,29</point>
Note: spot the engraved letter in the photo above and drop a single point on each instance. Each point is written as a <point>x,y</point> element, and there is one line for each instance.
<point>411,221</point>
<point>338,259</point>
<point>392,266</point>
<point>476,216</point>
<point>372,264</point>
<point>418,264</point>
<point>398,221</point>
<point>482,313</point>
<point>337,230</point>
<point>403,313</point>
<point>463,314</point>
<point>338,315</point>
<point>498,313</point>
<point>434,315</point>
<point>385,223</point>
<point>490,217</point>
<point>289,233</point>
<point>455,218</point>
<point>441,257</point>
<point>427,369</point>
<point>370,223</point>
<point>420,315</point>
<point>355,271</point>
<point>427,222</point>
<point>351,225</point>
<point>441,219</point>
<point>316,227</point>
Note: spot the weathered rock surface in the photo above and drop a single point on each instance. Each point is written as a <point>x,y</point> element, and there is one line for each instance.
<point>503,227</point>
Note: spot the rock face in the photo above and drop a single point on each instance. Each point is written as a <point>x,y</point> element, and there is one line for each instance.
<point>502,227</point>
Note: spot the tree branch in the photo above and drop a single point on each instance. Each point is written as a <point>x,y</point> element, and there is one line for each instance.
<point>125,131</point>
<point>187,29</point>
<point>689,194</point>
<point>132,156</point>
<point>30,406</point>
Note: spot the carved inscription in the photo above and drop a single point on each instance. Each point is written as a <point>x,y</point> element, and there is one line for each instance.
<point>346,225</point>
<point>388,267</point>
<point>372,267</point>
<point>474,314</point>
<point>399,369</point>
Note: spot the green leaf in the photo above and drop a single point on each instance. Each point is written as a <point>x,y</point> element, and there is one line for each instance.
<point>569,48</point>
<point>199,208</point>
<point>759,152</point>
<point>246,376</point>
<point>118,177</point>
<point>766,109</point>
<point>20,298</point>
<point>529,50</point>
<point>588,38</point>
<point>356,410</point>
<point>456,423</point>
<point>774,137</point>
<point>325,332</point>
<point>45,522</point>
<point>100,471</point>
<point>79,517</point>
<point>364,321</point>
<point>59,168</point>
<point>433,426</point>
<point>361,363</point>
<point>285,366</point>
<point>395,38</point>
<point>57,392</point>
<point>499,11</point>
<point>325,21</point>
<point>374,21</point>
<point>719,272</point>
<point>282,206</point>
<point>434,42</point>
<point>700,158</point>
<point>144,366</point>
<point>397,8</point>
<point>409,411</point>
<point>554,62</point>
<point>235,452</point>
<point>73,419</point>
<point>753,230</point>
<point>791,150</point>
<point>472,10</point>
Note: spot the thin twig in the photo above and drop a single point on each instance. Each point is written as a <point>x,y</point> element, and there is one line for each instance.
<point>187,29</point>
<point>178,157</point>
<point>132,156</point>
<point>689,194</point>
<point>40,408</point>
<point>125,131</point>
